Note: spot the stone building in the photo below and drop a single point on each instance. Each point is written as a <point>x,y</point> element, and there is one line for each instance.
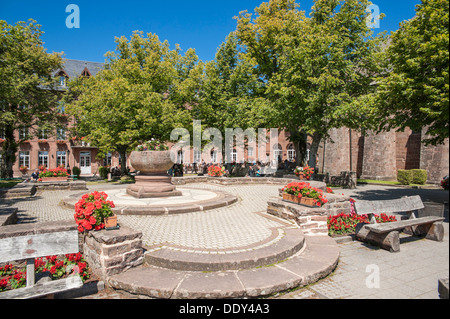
<point>380,156</point>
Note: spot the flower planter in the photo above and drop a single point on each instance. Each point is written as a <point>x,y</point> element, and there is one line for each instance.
<point>111,222</point>
<point>305,201</point>
<point>290,198</point>
<point>54,179</point>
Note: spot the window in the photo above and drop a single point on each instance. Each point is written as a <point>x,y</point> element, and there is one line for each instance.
<point>24,159</point>
<point>180,157</point>
<point>43,134</point>
<point>214,156</point>
<point>61,108</point>
<point>61,158</point>
<point>23,133</point>
<point>43,159</point>
<point>278,151</point>
<point>291,153</point>
<point>250,151</point>
<point>197,156</point>
<point>234,155</point>
<point>107,161</point>
<point>62,81</point>
<point>61,133</point>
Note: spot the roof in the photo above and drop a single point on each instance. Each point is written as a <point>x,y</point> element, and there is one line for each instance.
<point>74,68</point>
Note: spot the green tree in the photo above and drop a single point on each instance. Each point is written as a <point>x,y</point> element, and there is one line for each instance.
<point>415,91</point>
<point>130,101</point>
<point>28,93</point>
<point>314,69</point>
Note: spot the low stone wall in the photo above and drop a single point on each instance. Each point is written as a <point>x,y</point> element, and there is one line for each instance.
<point>22,190</point>
<point>112,252</point>
<point>8,216</point>
<point>313,221</point>
<point>69,185</point>
<point>242,181</point>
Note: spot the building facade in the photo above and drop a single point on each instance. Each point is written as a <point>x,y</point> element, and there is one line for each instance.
<point>371,156</point>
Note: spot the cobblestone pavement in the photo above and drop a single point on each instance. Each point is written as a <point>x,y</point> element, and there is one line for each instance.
<point>363,271</point>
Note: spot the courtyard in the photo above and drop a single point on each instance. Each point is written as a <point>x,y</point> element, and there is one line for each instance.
<point>239,228</point>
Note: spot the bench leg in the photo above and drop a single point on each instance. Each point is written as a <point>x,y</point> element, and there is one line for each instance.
<point>433,231</point>
<point>389,241</point>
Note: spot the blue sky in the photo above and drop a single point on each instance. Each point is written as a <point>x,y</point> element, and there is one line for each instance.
<point>199,24</point>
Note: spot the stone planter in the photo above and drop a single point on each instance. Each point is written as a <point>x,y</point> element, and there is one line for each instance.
<point>54,179</point>
<point>153,180</point>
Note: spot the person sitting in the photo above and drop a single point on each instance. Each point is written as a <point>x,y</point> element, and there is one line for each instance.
<point>35,175</point>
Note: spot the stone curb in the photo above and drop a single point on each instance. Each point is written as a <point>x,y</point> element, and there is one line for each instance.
<point>318,260</point>
<point>291,243</point>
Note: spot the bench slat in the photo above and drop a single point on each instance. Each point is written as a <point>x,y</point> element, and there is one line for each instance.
<point>44,289</point>
<point>38,245</point>
<point>405,204</point>
<point>388,227</point>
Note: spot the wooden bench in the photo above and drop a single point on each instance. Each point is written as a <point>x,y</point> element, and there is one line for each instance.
<point>387,235</point>
<point>30,241</point>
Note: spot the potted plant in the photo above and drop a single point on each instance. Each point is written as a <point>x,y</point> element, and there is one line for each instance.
<point>216,171</point>
<point>93,211</point>
<point>304,172</point>
<point>24,170</point>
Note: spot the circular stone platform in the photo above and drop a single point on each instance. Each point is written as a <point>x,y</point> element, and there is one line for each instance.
<point>191,200</point>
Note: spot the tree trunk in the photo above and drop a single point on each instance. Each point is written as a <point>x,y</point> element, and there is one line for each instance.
<point>123,161</point>
<point>10,148</point>
<point>316,139</point>
<point>299,141</point>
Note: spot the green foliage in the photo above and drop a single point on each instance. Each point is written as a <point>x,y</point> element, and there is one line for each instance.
<point>312,69</point>
<point>135,98</point>
<point>103,172</point>
<point>419,176</point>
<point>76,171</point>
<point>27,95</point>
<point>415,91</point>
<point>405,177</point>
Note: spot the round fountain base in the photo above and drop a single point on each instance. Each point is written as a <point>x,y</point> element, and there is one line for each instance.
<point>153,186</point>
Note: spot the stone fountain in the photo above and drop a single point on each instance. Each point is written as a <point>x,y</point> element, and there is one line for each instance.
<point>153,180</point>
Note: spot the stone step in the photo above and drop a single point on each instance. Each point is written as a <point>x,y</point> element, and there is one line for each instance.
<point>317,260</point>
<point>291,242</point>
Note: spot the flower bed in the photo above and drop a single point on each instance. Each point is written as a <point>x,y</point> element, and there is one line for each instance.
<point>216,171</point>
<point>59,172</point>
<point>345,224</point>
<point>58,267</point>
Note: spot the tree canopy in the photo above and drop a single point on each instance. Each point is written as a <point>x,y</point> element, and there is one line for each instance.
<point>28,92</point>
<point>414,90</point>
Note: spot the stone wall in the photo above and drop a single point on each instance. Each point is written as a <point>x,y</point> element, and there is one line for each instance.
<point>335,157</point>
<point>312,221</point>
<point>111,252</point>
<point>435,160</point>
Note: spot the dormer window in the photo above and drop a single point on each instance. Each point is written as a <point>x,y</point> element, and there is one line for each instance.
<point>62,81</point>
<point>86,73</point>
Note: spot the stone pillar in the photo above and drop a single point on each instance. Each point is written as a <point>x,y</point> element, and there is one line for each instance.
<point>379,161</point>
<point>112,252</point>
<point>435,160</point>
